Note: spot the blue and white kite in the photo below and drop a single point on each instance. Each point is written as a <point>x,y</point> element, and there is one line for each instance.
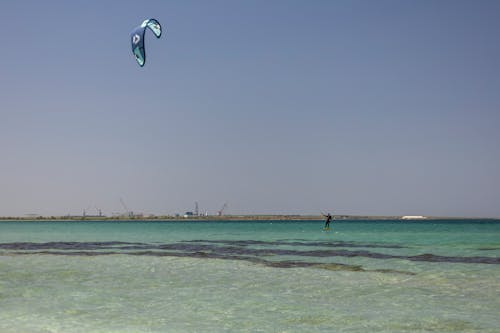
<point>137,39</point>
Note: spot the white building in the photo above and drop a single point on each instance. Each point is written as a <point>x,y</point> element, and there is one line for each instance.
<point>413,217</point>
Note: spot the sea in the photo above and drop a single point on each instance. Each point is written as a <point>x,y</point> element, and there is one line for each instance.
<point>250,276</point>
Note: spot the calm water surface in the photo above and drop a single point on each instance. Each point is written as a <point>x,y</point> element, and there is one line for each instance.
<point>361,276</point>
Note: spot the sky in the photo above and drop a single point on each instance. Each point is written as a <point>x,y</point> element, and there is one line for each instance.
<point>275,107</point>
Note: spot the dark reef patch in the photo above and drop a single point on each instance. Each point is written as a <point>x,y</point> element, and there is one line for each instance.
<point>225,249</point>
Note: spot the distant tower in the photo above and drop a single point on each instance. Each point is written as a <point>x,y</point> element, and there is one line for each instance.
<point>196,212</point>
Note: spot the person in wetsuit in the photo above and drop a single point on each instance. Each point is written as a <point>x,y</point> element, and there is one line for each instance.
<point>327,221</point>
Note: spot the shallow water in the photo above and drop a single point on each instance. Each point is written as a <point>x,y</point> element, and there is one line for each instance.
<point>377,276</point>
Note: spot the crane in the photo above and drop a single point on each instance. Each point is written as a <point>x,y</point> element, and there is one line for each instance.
<point>221,211</point>
<point>127,212</point>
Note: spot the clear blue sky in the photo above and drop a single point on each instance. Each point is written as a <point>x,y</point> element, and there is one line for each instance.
<point>357,107</point>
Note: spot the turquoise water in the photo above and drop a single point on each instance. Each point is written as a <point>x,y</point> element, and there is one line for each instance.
<point>361,276</point>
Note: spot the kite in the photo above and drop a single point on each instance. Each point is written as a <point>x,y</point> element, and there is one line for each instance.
<point>137,39</point>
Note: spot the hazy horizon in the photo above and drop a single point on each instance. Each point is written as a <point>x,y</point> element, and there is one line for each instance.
<point>275,107</point>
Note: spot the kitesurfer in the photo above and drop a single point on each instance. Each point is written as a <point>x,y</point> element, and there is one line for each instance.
<point>328,219</point>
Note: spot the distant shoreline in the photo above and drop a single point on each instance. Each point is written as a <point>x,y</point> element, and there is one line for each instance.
<point>234,218</point>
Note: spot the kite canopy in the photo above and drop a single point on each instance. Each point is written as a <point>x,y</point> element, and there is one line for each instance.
<point>137,39</point>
